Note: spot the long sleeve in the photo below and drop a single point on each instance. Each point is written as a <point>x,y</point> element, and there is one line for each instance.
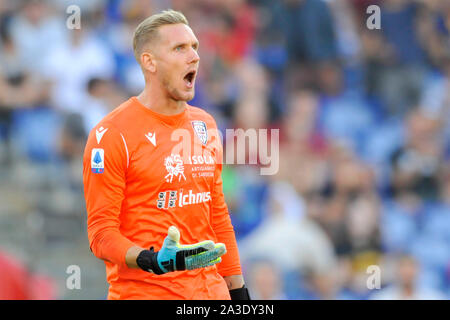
<point>221,223</point>
<point>104,172</point>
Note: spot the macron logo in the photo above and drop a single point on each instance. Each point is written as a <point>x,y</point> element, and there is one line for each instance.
<point>152,138</point>
<point>99,133</point>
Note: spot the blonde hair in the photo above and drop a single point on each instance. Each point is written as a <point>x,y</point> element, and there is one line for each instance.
<point>147,30</point>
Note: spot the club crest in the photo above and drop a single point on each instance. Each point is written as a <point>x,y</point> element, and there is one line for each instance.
<point>200,130</point>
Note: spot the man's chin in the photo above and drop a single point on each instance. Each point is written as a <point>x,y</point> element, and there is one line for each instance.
<point>181,94</point>
<point>186,96</point>
<point>191,96</point>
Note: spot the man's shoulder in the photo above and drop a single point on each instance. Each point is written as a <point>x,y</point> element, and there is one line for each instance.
<point>197,113</point>
<point>119,118</point>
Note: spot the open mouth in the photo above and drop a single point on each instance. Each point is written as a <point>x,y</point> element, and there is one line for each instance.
<point>189,79</point>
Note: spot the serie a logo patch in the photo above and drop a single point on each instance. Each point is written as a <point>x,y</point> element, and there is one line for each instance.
<point>98,160</point>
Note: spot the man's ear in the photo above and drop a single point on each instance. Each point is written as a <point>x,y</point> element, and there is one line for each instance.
<point>148,61</point>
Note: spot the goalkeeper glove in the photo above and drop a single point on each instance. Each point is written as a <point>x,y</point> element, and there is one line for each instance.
<point>176,257</point>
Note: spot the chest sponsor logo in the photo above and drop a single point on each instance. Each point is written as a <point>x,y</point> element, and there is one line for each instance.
<point>173,199</point>
<point>200,130</point>
<point>201,160</point>
<point>175,167</point>
<point>98,160</point>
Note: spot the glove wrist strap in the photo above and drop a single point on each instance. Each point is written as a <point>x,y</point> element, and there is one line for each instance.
<point>147,261</point>
<point>240,294</point>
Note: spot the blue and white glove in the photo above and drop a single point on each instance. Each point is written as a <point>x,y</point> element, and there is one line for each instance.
<point>176,257</point>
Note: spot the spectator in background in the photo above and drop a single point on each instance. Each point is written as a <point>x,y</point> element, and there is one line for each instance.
<point>97,91</point>
<point>101,98</point>
<point>302,144</point>
<point>34,30</point>
<point>319,286</point>
<point>298,241</point>
<point>363,225</point>
<point>252,107</point>
<point>400,80</point>
<point>346,25</point>
<point>244,189</point>
<point>417,164</point>
<point>20,86</point>
<point>400,31</point>
<point>344,113</point>
<point>70,65</point>
<point>309,32</point>
<point>249,110</point>
<point>265,280</point>
<point>352,275</point>
<point>405,284</point>
<point>435,99</point>
<point>72,137</point>
<point>309,38</point>
<point>350,184</point>
<point>237,30</point>
<point>18,283</point>
<point>122,18</point>
<point>414,182</point>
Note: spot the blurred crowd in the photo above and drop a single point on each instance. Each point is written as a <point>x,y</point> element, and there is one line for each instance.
<point>364,120</point>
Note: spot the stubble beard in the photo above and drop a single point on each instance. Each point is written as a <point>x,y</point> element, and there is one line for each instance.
<point>174,93</point>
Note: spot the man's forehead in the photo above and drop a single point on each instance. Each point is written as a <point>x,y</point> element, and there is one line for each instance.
<point>176,33</point>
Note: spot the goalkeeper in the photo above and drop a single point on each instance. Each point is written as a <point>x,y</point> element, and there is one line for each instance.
<point>156,215</point>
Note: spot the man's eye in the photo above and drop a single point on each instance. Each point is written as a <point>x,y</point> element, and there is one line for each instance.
<point>179,48</point>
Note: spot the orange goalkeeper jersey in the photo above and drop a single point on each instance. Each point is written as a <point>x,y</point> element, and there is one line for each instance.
<point>143,172</point>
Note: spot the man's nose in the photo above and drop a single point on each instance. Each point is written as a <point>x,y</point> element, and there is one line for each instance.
<point>194,57</point>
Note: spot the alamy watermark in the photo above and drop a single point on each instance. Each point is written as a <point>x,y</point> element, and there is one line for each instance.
<point>73,21</point>
<point>374,278</point>
<point>374,20</point>
<point>242,147</point>
<point>73,281</point>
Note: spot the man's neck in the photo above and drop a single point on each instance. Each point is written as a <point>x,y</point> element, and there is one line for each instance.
<point>160,103</point>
